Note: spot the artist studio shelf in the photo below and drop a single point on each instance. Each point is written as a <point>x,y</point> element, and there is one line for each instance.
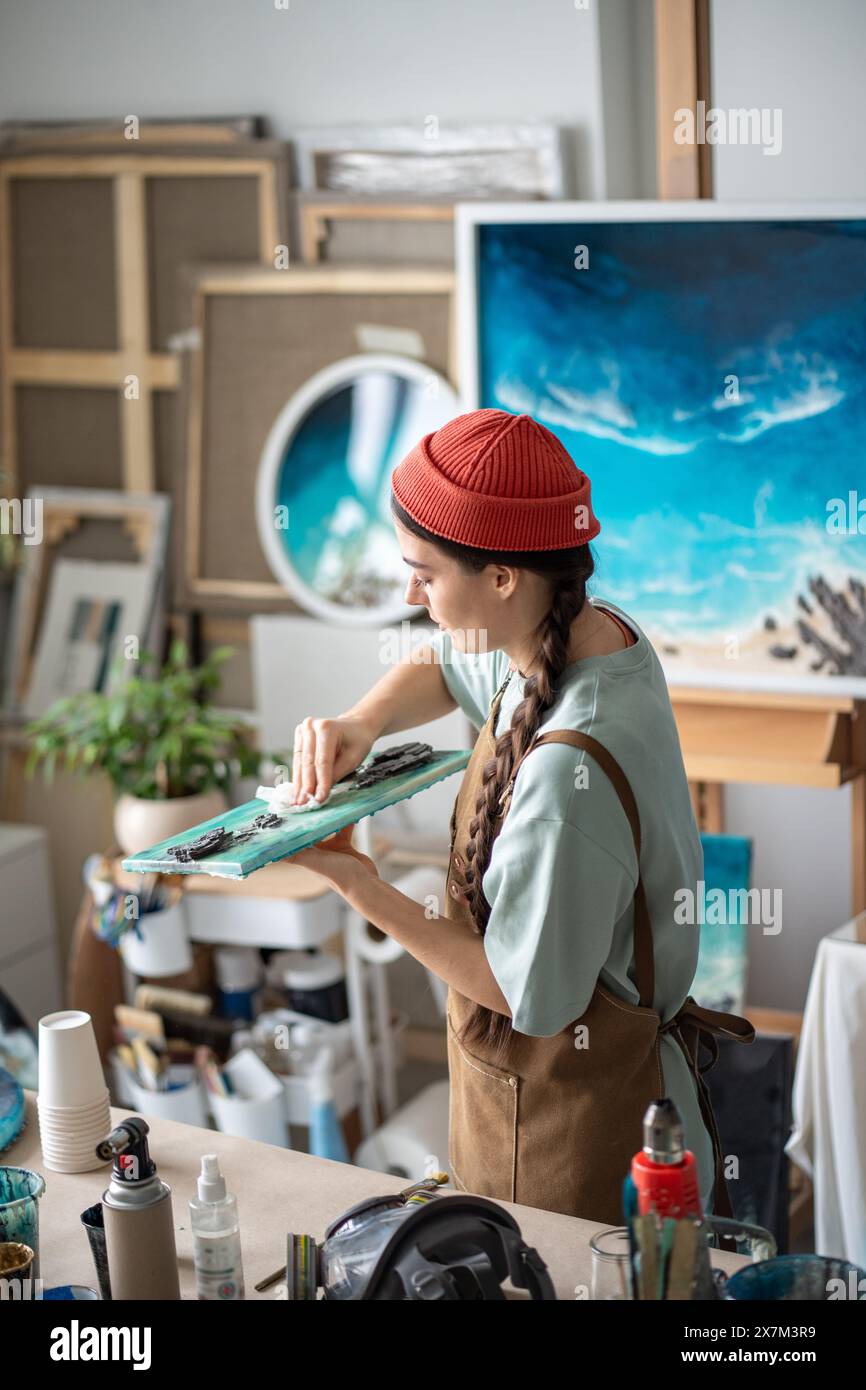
<point>787,740</point>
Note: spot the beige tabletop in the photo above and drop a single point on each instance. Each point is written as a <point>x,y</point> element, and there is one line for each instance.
<point>278,1190</point>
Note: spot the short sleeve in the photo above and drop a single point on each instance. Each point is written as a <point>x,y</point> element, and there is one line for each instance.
<point>556,896</point>
<point>472,679</point>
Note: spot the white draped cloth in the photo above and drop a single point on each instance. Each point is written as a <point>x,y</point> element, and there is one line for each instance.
<point>829,1105</point>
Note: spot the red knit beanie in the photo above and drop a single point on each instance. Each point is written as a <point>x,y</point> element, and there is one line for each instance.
<point>496,481</point>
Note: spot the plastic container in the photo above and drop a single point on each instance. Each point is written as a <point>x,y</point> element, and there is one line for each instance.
<point>20,1190</point>
<point>796,1278</point>
<point>327,1139</point>
<point>186,1102</point>
<point>311,983</point>
<point>257,1110</point>
<point>216,1237</point>
<point>239,972</point>
<point>163,947</point>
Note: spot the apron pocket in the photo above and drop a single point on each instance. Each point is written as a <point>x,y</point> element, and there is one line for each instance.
<point>482,1123</point>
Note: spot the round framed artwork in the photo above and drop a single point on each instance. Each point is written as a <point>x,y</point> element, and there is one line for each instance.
<point>324,483</point>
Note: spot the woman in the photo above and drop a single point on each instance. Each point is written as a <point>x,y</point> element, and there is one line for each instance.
<point>571,835</point>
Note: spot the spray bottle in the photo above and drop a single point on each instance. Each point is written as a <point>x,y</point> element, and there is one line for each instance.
<point>327,1139</point>
<point>216,1236</point>
<point>664,1170</point>
<point>138,1218</point>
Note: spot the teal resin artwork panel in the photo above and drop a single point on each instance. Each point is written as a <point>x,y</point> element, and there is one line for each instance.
<point>345,805</point>
<point>720,979</point>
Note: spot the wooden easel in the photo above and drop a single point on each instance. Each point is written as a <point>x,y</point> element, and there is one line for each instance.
<point>789,740</point>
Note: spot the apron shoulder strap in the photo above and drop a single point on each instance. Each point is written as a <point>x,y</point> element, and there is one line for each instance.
<point>643,941</point>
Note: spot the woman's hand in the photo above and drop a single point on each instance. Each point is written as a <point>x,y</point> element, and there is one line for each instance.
<point>337,860</point>
<point>324,751</point>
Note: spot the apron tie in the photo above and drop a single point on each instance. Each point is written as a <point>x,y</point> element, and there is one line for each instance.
<point>692,1025</point>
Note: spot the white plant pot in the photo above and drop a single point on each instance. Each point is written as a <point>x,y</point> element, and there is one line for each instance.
<point>140,823</point>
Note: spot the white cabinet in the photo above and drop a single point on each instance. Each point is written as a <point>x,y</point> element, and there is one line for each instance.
<point>29,966</point>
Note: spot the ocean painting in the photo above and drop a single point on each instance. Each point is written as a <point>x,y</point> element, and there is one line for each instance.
<point>710,378</point>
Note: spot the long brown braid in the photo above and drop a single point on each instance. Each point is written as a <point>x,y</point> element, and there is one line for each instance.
<point>568,572</point>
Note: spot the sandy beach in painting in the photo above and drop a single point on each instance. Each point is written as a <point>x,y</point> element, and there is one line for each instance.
<point>748,654</point>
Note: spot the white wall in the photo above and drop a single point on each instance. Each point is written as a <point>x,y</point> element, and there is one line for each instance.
<point>808,60</point>
<point>320,61</point>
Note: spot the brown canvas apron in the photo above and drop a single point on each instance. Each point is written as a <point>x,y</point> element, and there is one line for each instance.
<point>556,1122</point>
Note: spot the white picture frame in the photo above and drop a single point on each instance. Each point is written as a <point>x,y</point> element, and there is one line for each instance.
<point>144,519</point>
<point>92,608</point>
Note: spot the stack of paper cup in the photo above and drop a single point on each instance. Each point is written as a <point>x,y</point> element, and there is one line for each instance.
<point>73,1101</point>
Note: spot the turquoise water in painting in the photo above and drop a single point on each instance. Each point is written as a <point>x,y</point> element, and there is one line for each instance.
<point>713,510</point>
<point>720,979</point>
<point>334,482</point>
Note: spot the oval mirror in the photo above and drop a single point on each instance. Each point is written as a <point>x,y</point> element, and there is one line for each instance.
<point>325,479</point>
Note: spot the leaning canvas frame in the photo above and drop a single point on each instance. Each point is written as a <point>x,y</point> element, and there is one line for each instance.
<point>133,356</point>
<point>577,216</point>
<point>212,284</point>
<point>145,520</point>
<point>316,211</point>
<point>542,141</point>
<point>216,130</point>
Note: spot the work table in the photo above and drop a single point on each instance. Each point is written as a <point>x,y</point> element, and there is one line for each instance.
<point>278,1190</point>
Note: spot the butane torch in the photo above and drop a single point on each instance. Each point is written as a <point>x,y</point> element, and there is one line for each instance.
<point>138,1218</point>
<point>664,1170</point>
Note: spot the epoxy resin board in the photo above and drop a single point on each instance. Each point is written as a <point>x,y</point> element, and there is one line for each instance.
<point>297,830</point>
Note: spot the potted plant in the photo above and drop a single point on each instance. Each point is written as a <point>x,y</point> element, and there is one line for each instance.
<point>170,755</point>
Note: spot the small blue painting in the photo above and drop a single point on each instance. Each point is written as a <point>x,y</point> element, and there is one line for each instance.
<point>726,912</point>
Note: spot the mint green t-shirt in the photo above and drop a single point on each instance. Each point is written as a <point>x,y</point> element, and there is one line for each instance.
<point>563,869</point>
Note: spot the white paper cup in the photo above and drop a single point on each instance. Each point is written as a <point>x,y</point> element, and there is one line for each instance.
<point>69,1138</point>
<point>63,1131</point>
<point>70,1072</point>
<point>60,1164</point>
<point>99,1124</point>
<point>72,1148</point>
<point>66,1153</point>
<point>165,948</point>
<point>73,1114</point>
<point>64,1112</point>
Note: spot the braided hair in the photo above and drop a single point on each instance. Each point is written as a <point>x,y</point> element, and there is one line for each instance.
<point>567,571</point>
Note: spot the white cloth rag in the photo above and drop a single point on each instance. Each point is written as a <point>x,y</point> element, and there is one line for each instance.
<point>829,1104</point>
<point>278,798</point>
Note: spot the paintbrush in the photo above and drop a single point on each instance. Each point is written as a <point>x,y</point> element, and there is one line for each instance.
<point>646,1239</point>
<point>681,1269</point>
<point>135,1022</point>
<point>148,1063</point>
<point>629,1209</point>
